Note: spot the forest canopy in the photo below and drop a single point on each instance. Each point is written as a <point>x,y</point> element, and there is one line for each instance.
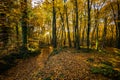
<point>73,23</point>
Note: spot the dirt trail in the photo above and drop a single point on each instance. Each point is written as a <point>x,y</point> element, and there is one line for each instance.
<point>65,65</point>
<point>26,69</point>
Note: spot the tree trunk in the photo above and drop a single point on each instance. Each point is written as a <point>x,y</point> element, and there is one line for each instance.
<point>63,35</point>
<point>17,34</point>
<point>24,23</point>
<point>96,37</point>
<point>93,33</point>
<point>84,29</point>
<point>73,21</point>
<point>118,23</point>
<point>54,42</point>
<point>77,38</point>
<point>83,35</point>
<point>80,29</point>
<point>118,45</point>
<point>88,30</point>
<point>96,26</point>
<point>104,33</point>
<point>69,39</point>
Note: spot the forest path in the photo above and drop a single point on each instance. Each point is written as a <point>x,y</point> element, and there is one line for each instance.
<point>68,64</point>
<point>26,69</point>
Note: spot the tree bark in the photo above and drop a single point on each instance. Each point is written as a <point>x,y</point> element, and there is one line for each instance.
<point>104,33</point>
<point>73,21</point>
<point>88,29</point>
<point>17,35</point>
<point>77,38</point>
<point>24,23</point>
<point>69,39</point>
<point>118,23</point>
<point>97,29</point>
<point>54,41</point>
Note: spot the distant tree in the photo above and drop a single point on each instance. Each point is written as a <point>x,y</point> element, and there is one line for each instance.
<point>63,34</point>
<point>67,21</point>
<point>84,22</point>
<point>96,24</point>
<point>104,33</point>
<point>97,8</point>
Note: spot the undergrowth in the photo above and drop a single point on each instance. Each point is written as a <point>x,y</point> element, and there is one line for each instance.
<point>9,61</point>
<point>106,70</point>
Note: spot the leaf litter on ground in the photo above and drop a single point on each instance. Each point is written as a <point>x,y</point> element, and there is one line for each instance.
<point>64,65</point>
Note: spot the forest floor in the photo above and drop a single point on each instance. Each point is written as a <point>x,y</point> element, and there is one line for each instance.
<point>67,64</point>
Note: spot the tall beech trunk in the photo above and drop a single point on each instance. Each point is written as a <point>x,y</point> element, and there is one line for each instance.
<point>88,29</point>
<point>77,37</point>
<point>54,41</point>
